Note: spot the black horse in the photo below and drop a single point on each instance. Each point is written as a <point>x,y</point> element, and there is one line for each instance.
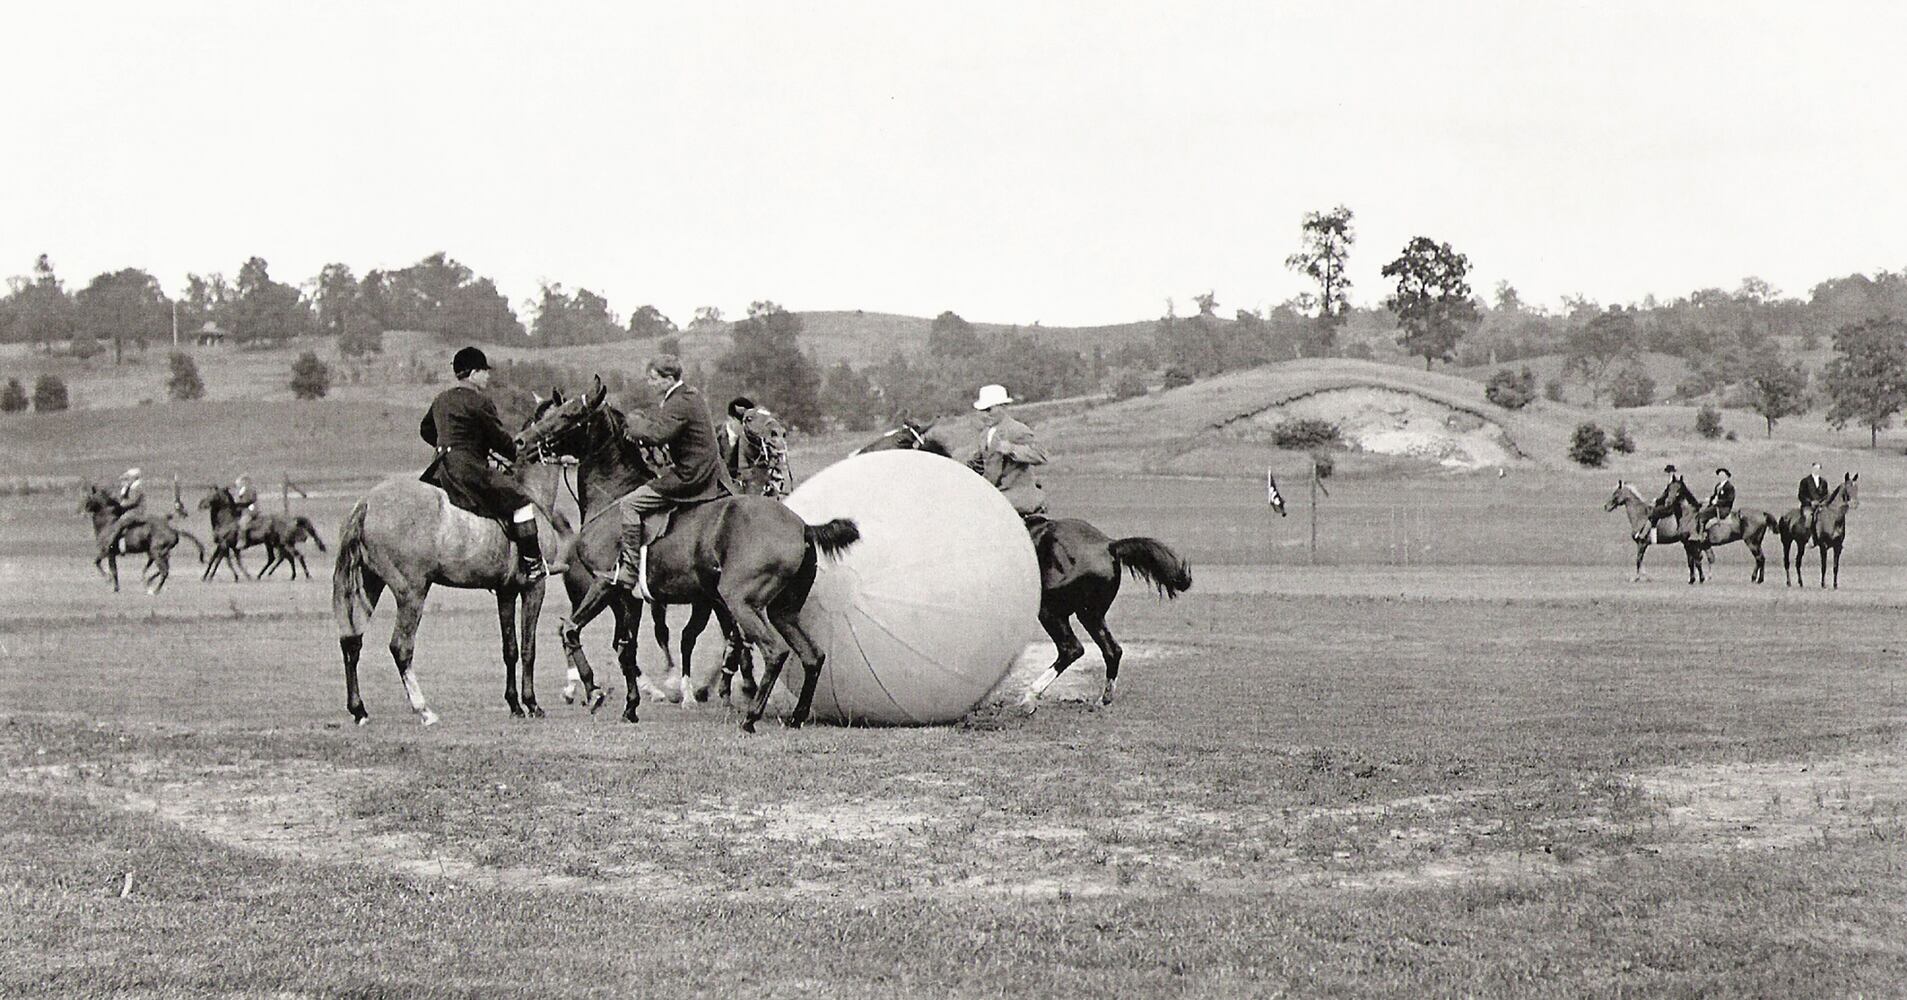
<point>1080,568</point>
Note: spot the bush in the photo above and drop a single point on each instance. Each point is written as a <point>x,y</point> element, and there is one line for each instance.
<point>1621,441</point>
<point>1512,391</point>
<point>85,347</point>
<point>49,394</point>
<point>310,378</point>
<point>184,382</point>
<point>1589,446</point>
<point>1304,433</point>
<point>1131,385</point>
<point>1631,387</point>
<point>13,398</point>
<point>1708,421</point>
<point>1176,376</point>
<point>1324,463</point>
<point>1553,390</point>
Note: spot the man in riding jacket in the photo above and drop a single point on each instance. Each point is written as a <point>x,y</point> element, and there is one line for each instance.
<point>1721,503</point>
<point>1007,453</point>
<point>463,426</point>
<point>1813,495</point>
<point>732,441</point>
<point>1674,494</point>
<point>131,499</point>
<point>680,423</point>
<point>245,501</point>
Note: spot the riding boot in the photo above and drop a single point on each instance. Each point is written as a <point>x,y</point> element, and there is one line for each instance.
<point>529,553</point>
<point>628,565</point>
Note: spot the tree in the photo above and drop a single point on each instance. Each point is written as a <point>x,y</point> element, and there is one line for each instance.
<point>337,300</point>
<point>184,383</point>
<point>582,317</point>
<point>648,323</point>
<point>13,398</point>
<point>1708,421</point>
<point>208,299</point>
<point>765,362</point>
<point>1589,445</point>
<point>849,397</point>
<point>1866,381</point>
<point>267,309</point>
<point>1593,348</point>
<point>1432,301</point>
<point>1512,391</point>
<point>479,312</point>
<point>952,337</point>
<point>1776,389</point>
<point>1207,304</point>
<point>310,377</point>
<point>1631,386</point>
<point>1327,238</point>
<point>42,312</point>
<point>123,305</point>
<point>49,394</point>
<point>705,317</point>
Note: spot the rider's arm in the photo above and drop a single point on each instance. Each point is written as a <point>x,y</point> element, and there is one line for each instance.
<point>662,425</point>
<point>495,438</point>
<point>428,429</point>
<point>1021,447</point>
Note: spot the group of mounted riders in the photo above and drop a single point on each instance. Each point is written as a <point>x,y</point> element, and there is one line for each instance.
<point>1678,516</point>
<point>124,524</point>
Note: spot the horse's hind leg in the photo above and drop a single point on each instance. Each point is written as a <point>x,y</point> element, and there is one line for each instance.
<point>699,615</point>
<point>1837,567</point>
<point>410,613</point>
<point>165,573</point>
<point>774,650</point>
<point>1068,648</point>
<point>353,645</point>
<point>805,650</point>
<point>506,627</point>
<point>659,619</point>
<point>1094,618</point>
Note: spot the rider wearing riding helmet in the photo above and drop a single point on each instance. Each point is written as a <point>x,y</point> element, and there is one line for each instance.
<point>730,439</point>
<point>462,424</point>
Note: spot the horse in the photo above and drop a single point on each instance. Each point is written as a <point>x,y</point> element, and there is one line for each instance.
<point>750,559</point>
<point>1746,526</point>
<point>226,545</point>
<point>1080,571</point>
<point>286,533</point>
<point>155,536</point>
<point>405,536</point>
<point>1828,531</point>
<point>764,466</point>
<point>1638,511</point>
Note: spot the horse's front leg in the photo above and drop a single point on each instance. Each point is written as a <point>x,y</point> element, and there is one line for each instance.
<point>532,613</point>
<point>627,656</point>
<point>584,610</point>
<point>506,624</point>
<point>671,689</point>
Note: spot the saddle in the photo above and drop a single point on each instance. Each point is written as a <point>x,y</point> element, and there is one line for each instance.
<point>1056,563</point>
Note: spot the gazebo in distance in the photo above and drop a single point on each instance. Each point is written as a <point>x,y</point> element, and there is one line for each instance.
<point>210,335</point>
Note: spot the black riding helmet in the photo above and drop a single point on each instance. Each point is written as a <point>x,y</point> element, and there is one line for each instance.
<point>468,360</point>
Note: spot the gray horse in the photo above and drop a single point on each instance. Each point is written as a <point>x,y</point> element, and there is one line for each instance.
<point>406,536</point>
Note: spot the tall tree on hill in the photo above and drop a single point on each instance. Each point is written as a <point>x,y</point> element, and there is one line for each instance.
<point>648,323</point>
<point>1325,252</point>
<point>952,337</point>
<point>581,317</point>
<point>1777,388</point>
<point>765,362</point>
<point>336,299</point>
<point>267,309</point>
<point>1866,381</point>
<point>208,299</point>
<point>124,305</point>
<point>479,312</point>
<point>849,398</point>
<point>1207,303</point>
<point>42,311</point>
<point>1432,300</point>
<point>1593,348</point>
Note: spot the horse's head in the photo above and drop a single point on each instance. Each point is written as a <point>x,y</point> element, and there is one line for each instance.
<point>96,499</point>
<point>557,426</point>
<point>1619,497</point>
<point>911,435</point>
<point>211,500</point>
<point>767,433</point>
<point>1850,489</point>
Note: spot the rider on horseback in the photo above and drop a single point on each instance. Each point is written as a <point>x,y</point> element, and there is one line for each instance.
<point>463,426</point>
<point>1721,503</point>
<point>1673,496</point>
<point>1007,453</point>
<point>130,497</point>
<point>1813,495</point>
<point>694,473</point>
<point>245,501</point>
<point>732,437</point>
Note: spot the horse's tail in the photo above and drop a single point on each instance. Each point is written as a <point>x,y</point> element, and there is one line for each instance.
<point>304,524</point>
<point>350,605</point>
<point>1155,562</point>
<point>190,537</point>
<point>833,538</point>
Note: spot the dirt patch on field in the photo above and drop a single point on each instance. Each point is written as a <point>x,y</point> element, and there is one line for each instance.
<point>1395,422</point>
<point>1782,804</point>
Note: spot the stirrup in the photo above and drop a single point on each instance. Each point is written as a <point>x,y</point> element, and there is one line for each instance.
<point>532,570</point>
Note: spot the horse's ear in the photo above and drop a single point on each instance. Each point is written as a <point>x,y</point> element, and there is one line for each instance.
<point>536,398</point>
<point>597,393</point>
<point>556,395</point>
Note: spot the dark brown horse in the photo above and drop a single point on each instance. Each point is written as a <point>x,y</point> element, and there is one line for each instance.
<point>1746,526</point>
<point>749,558</point>
<point>1826,529</point>
<point>1080,570</point>
<point>1674,528</point>
<point>155,536</point>
<point>279,533</point>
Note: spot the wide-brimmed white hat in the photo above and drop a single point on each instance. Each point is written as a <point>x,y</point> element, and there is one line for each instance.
<point>991,396</point>
<point>133,473</point>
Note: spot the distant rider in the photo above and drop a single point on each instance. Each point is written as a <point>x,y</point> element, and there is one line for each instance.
<point>1673,495</point>
<point>462,424</point>
<point>1721,503</point>
<point>1813,495</point>
<point>245,501</point>
<point>130,497</point>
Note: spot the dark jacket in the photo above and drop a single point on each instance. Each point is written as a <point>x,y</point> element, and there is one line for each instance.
<point>681,424</point>
<point>463,426</point>
<point>1722,500</point>
<point>1676,490</point>
<point>1813,491</point>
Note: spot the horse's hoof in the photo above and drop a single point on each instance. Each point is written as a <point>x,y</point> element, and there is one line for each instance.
<point>596,700</point>
<point>629,716</point>
<point>1029,706</point>
<point>748,725</point>
<point>536,712</point>
<point>428,717</point>
<point>791,723</point>
<point>569,696</point>
<point>701,695</point>
<point>362,719</point>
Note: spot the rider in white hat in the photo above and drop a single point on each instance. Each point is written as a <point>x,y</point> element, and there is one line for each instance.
<point>131,500</point>
<point>1008,452</point>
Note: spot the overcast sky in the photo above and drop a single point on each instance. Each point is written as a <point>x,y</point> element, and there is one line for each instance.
<point>1067,163</point>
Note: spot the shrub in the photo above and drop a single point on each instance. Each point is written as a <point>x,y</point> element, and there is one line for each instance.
<point>1631,387</point>
<point>85,347</point>
<point>1131,385</point>
<point>1176,376</point>
<point>13,398</point>
<point>1512,391</point>
<point>1553,390</point>
<point>310,378</point>
<point>1621,441</point>
<point>49,394</point>
<point>1324,463</point>
<point>1589,446</point>
<point>1304,433</point>
<point>184,382</point>
<point>1708,421</point>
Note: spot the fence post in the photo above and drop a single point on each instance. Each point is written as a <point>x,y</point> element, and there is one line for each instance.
<point>1314,512</point>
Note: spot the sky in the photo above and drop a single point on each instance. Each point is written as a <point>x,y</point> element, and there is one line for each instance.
<point>1020,162</point>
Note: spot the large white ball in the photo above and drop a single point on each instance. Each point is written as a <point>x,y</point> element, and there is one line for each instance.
<point>926,613</point>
